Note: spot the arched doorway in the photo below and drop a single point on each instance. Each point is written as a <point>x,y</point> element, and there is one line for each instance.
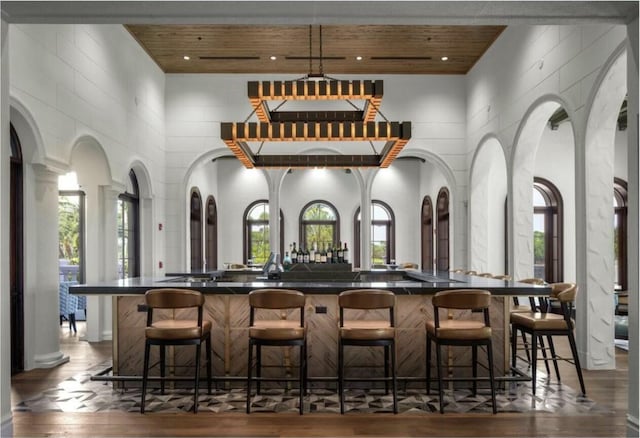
<point>16,267</point>
<point>426,233</point>
<point>442,230</point>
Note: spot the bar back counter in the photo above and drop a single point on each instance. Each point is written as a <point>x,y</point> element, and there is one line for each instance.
<point>226,305</point>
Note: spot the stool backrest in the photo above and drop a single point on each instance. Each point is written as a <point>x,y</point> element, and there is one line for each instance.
<point>471,272</point>
<point>169,298</point>
<point>173,298</point>
<point>564,292</point>
<point>502,277</point>
<point>276,299</point>
<point>367,299</point>
<point>536,281</point>
<point>486,275</point>
<point>462,299</point>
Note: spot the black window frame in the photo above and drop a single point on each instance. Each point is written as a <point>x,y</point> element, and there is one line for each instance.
<point>133,202</point>
<point>391,233</point>
<point>247,251</point>
<point>195,229</point>
<point>443,223</point>
<point>620,211</point>
<point>303,223</point>
<point>553,224</point>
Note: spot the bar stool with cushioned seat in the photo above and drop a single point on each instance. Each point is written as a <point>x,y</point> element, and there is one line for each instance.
<point>543,323</point>
<point>176,332</point>
<point>368,333</point>
<point>518,308</point>
<point>276,332</point>
<point>461,332</point>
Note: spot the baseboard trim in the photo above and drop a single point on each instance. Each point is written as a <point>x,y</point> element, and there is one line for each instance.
<point>50,360</point>
<point>6,429</point>
<point>633,428</point>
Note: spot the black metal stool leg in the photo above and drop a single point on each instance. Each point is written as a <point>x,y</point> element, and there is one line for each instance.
<point>341,375</point>
<point>302,379</point>
<point>162,368</point>
<point>145,376</point>
<point>474,359</point>
<point>209,364</point>
<point>576,361</point>
<point>197,378</point>
<point>543,349</point>
<point>393,377</point>
<point>258,367</point>
<point>386,369</point>
<point>491,377</point>
<point>534,361</point>
<point>439,370</point>
<point>552,349</point>
<point>249,372</point>
<point>428,365</point>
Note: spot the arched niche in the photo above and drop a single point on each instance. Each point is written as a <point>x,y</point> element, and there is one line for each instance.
<point>403,186</point>
<point>524,164</point>
<point>594,211</point>
<point>487,208</point>
<point>218,174</point>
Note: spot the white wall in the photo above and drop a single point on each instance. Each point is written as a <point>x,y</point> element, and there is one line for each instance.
<point>539,67</point>
<point>555,162</point>
<point>196,104</point>
<point>87,82</point>
<point>621,168</point>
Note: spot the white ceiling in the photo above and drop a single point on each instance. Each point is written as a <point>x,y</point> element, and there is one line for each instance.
<point>320,12</point>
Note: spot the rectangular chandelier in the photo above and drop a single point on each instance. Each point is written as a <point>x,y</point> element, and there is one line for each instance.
<point>306,126</point>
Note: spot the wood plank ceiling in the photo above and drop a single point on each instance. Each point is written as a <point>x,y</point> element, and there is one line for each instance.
<point>384,49</point>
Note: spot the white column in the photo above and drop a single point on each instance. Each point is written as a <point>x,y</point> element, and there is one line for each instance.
<point>634,226</point>
<point>101,256</point>
<point>274,179</point>
<point>41,271</point>
<point>6,424</point>
<point>368,176</point>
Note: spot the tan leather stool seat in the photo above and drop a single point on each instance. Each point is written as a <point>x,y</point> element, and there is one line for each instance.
<point>176,329</point>
<point>276,333</point>
<point>176,333</point>
<point>275,330</point>
<point>540,321</point>
<point>460,329</point>
<point>367,330</point>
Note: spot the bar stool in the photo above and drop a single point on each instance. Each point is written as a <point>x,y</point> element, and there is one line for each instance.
<point>368,333</point>
<point>175,332</point>
<point>532,307</point>
<point>543,323</point>
<point>276,333</point>
<point>461,332</point>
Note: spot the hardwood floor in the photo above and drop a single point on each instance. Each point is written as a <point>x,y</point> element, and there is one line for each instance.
<point>607,388</point>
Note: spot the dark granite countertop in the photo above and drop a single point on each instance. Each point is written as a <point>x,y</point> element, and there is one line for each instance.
<point>412,283</point>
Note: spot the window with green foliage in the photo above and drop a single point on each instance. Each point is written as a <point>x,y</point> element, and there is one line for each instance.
<point>71,235</point>
<point>382,234</point>
<point>620,233</point>
<point>319,224</point>
<point>129,230</point>
<point>547,231</point>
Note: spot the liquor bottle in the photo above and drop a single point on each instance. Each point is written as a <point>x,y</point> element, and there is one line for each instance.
<point>294,254</point>
<point>318,258</point>
<point>340,255</point>
<point>345,253</point>
<point>329,254</point>
<point>286,262</point>
<point>323,254</point>
<point>306,255</point>
<point>312,253</point>
<point>334,255</point>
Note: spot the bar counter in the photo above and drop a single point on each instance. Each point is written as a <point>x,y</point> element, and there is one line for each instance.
<point>226,305</point>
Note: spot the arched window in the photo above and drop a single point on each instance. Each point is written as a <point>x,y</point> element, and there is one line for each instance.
<point>383,247</point>
<point>620,232</point>
<point>16,255</point>
<point>426,232</point>
<point>211,235</point>
<point>547,231</point>
<point>442,230</point>
<point>319,224</point>
<point>256,233</point>
<point>195,229</point>
<point>129,230</point>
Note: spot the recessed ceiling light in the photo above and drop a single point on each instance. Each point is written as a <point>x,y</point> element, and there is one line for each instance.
<point>186,57</point>
<point>444,58</point>
<point>358,58</point>
<point>273,58</point>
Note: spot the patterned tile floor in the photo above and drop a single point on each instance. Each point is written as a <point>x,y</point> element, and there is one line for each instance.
<point>81,394</point>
